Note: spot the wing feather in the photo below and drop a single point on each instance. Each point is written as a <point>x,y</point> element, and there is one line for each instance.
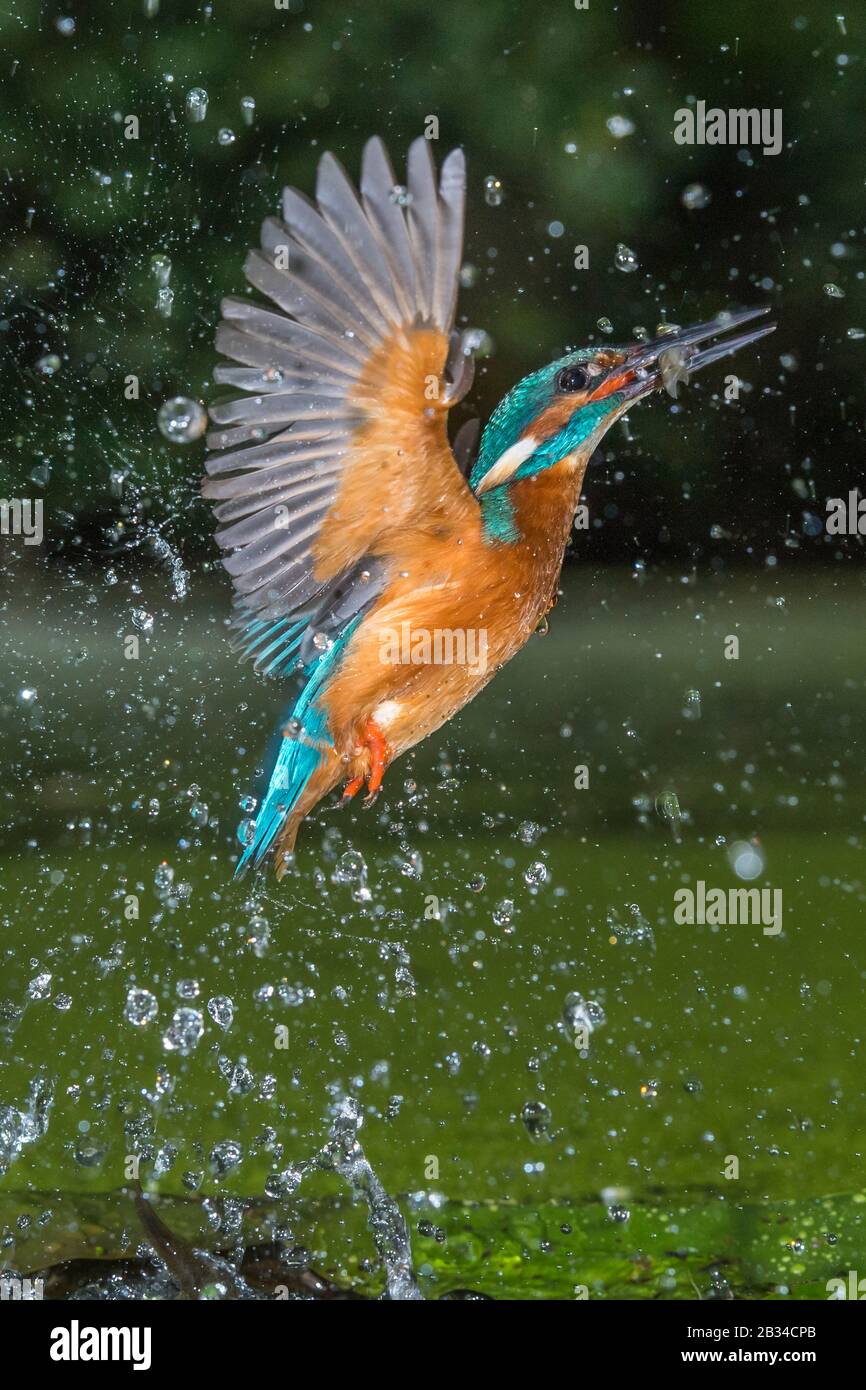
<point>333,372</point>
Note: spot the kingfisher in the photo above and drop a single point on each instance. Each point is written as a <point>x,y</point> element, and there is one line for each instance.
<point>396,571</point>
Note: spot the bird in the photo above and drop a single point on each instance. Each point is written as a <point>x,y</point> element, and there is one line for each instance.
<point>395,571</point>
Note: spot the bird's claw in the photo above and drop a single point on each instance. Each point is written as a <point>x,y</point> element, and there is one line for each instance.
<point>374,740</point>
<point>351,789</point>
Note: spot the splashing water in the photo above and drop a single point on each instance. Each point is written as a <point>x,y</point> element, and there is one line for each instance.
<point>25,1126</point>
<point>170,557</point>
<point>343,1154</point>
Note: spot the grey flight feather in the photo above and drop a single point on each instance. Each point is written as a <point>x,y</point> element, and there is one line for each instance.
<point>340,277</point>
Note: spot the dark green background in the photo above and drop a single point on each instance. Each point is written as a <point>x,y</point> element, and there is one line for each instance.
<point>515,85</point>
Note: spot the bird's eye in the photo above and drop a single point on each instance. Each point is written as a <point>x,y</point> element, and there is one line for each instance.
<point>572,379</point>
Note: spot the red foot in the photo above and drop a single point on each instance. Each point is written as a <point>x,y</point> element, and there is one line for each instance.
<point>374,740</point>
<point>351,789</point>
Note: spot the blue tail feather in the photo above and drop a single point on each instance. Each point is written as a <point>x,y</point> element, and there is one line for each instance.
<point>298,758</point>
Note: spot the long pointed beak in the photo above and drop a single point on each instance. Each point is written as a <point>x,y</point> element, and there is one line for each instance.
<point>671,358</point>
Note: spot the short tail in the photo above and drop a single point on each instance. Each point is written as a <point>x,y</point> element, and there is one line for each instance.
<point>305,750</point>
<point>299,758</point>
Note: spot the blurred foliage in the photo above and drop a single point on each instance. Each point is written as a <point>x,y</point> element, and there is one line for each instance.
<point>529,92</point>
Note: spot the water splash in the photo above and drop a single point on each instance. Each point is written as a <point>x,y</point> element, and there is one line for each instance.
<point>170,557</point>
<point>21,1127</point>
<point>344,1155</point>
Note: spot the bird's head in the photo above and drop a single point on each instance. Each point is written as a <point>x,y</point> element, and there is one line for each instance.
<point>563,410</point>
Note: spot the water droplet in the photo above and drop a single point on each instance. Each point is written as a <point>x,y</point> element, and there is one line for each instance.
<point>49,364</point>
<point>196,104</point>
<point>141,1007</point>
<point>746,860</point>
<point>833,291</point>
<point>198,812</point>
<point>477,342</point>
<point>494,193</point>
<point>181,420</point>
<point>695,196</point>
<point>221,1010</point>
<point>27,695</point>
<point>282,1185</point>
<point>184,1032</point>
<point>165,301</point>
<point>692,704</point>
<point>581,1017</point>
<point>226,136</point>
<point>258,938</point>
<point>536,874</point>
<point>855,334</point>
<point>225,1156</point>
<point>351,868</point>
<point>248,109</point>
<point>668,807</point>
<point>503,913</point>
<point>468,275</point>
<point>625,259</point>
<point>605,325</point>
<point>400,196</point>
<point>160,268</point>
<point>536,1116</point>
<point>620,126</point>
<point>142,619</point>
<point>88,1154</point>
<point>40,986</point>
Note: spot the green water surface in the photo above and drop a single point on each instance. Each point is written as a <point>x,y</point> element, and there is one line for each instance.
<point>431,1000</point>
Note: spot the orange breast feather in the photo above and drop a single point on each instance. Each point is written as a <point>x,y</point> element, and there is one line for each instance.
<point>452,580</point>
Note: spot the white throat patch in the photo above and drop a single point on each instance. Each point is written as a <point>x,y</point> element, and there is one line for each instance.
<point>508,463</point>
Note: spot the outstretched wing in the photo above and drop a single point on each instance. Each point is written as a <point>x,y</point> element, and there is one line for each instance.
<point>338,451</point>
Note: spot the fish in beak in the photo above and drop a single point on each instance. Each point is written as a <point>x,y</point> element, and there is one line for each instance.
<point>669,360</point>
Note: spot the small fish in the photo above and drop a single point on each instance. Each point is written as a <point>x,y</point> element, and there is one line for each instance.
<point>673,367</point>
